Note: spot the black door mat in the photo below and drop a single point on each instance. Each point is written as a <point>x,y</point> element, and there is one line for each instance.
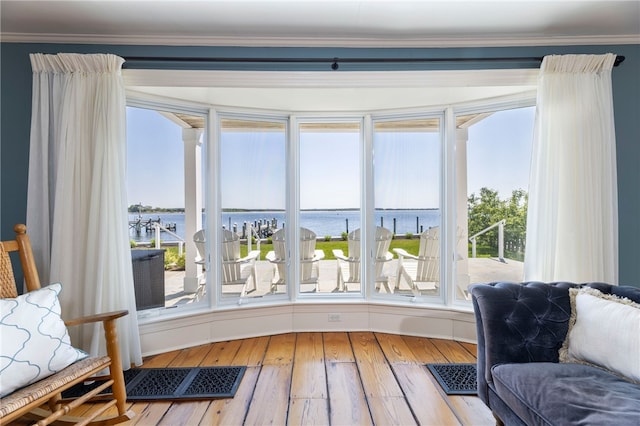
<point>153,384</point>
<point>456,379</point>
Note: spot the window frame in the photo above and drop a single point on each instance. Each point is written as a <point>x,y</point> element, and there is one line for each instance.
<point>446,298</point>
<point>157,103</point>
<point>523,100</point>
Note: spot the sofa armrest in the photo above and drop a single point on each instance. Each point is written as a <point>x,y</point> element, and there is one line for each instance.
<point>518,323</point>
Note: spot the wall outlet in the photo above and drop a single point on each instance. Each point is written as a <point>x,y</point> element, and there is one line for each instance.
<point>334,318</point>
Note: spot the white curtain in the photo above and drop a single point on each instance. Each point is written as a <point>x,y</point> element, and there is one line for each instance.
<point>76,205</point>
<point>572,222</point>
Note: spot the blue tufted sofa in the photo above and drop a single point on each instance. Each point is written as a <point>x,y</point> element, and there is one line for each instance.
<point>521,328</point>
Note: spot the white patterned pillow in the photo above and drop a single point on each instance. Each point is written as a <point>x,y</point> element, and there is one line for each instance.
<point>34,342</point>
<point>604,330</point>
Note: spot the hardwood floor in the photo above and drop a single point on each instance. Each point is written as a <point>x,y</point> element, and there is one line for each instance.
<point>355,378</point>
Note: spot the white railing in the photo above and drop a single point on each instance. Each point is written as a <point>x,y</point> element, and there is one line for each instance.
<point>158,228</point>
<point>500,226</point>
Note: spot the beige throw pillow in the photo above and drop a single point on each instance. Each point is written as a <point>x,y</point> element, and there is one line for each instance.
<point>604,330</point>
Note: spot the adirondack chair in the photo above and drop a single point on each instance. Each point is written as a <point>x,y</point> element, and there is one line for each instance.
<point>39,342</point>
<point>349,266</point>
<point>421,272</point>
<point>237,270</point>
<point>309,258</point>
<point>199,240</point>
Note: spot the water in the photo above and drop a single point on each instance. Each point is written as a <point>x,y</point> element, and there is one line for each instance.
<point>322,222</point>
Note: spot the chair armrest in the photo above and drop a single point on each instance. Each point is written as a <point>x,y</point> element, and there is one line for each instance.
<point>107,316</point>
<point>403,253</point>
<point>108,320</point>
<point>387,257</point>
<point>253,254</point>
<point>339,254</point>
<point>250,257</point>
<point>271,257</point>
<point>518,323</point>
<point>318,255</point>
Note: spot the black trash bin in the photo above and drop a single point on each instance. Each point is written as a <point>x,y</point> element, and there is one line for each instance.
<point>148,278</point>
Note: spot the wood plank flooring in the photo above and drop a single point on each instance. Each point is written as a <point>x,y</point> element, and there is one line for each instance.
<point>355,378</point>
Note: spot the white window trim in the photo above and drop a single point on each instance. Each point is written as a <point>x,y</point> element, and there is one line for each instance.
<point>315,79</point>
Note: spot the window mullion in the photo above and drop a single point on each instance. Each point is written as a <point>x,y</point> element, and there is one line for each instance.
<point>449,203</point>
<point>293,204</point>
<point>368,230</point>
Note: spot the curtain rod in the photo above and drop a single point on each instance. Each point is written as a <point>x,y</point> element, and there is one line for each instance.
<point>336,61</point>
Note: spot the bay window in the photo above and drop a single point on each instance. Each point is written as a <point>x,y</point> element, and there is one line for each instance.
<point>376,205</point>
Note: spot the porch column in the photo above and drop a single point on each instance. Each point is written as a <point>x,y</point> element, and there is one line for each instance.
<point>192,204</point>
<point>462,264</point>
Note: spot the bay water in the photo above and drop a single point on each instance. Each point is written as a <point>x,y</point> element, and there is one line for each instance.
<point>322,222</point>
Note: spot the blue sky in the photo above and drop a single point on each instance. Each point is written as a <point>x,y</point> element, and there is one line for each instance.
<point>155,160</point>
<point>406,164</point>
<point>499,152</point>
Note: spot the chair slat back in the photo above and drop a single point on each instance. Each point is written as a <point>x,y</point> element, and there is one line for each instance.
<point>307,251</point>
<point>279,247</point>
<point>353,247</point>
<point>7,279</point>
<point>429,254</point>
<point>383,241</point>
<point>200,241</point>
<point>231,272</point>
<point>22,245</point>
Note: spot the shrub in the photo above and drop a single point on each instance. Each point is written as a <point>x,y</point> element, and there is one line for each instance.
<point>133,244</point>
<point>344,236</point>
<point>172,261</point>
<point>408,235</point>
<point>327,237</point>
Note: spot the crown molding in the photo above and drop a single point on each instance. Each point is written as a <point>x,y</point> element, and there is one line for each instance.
<point>427,42</point>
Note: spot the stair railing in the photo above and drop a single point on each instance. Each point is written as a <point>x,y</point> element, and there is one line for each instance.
<point>158,227</point>
<point>500,226</point>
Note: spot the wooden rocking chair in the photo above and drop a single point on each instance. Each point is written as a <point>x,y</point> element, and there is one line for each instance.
<point>42,399</point>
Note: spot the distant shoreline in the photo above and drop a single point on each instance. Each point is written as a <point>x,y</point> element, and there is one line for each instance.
<point>322,222</point>
<point>181,210</point>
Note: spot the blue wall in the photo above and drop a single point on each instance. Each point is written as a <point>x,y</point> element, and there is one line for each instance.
<point>16,110</point>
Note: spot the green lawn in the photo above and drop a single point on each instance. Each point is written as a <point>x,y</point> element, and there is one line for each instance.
<point>412,246</point>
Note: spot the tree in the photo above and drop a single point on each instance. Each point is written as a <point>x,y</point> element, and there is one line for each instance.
<point>487,209</point>
<point>516,216</point>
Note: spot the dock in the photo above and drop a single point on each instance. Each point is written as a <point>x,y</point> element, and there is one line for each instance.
<point>149,225</point>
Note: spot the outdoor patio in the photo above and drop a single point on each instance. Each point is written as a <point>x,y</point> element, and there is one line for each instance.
<point>480,270</point>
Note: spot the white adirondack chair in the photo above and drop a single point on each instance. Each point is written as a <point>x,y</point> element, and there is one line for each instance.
<point>309,258</point>
<point>349,269</point>
<point>237,270</point>
<point>421,272</point>
<point>199,240</point>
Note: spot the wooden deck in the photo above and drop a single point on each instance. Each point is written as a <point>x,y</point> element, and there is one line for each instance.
<point>332,378</point>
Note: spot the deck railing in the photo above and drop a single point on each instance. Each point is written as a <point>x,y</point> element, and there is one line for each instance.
<point>500,226</point>
<point>159,228</point>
